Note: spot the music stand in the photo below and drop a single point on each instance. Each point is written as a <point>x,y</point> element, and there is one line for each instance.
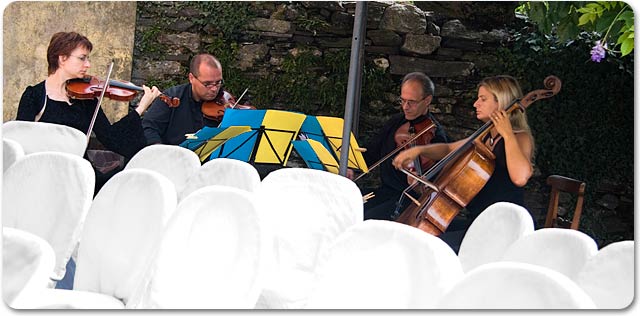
<point>330,136</point>
<point>268,141</point>
<point>206,140</point>
<point>315,155</point>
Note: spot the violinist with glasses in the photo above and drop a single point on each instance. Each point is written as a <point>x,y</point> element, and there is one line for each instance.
<point>169,125</point>
<point>50,101</point>
<point>415,118</point>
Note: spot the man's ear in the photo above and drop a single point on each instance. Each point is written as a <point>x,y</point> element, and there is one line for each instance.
<point>429,99</point>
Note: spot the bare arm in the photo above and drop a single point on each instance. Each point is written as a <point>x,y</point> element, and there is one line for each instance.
<point>518,149</point>
<point>150,94</point>
<point>431,151</point>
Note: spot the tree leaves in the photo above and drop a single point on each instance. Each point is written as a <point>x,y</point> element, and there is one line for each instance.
<point>567,19</point>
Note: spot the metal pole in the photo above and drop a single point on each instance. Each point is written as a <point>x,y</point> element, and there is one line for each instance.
<point>353,85</point>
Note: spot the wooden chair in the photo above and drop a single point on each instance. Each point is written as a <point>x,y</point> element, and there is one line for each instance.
<point>563,184</point>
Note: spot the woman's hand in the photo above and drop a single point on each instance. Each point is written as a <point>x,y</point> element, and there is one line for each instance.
<point>405,157</point>
<point>150,94</point>
<point>502,123</point>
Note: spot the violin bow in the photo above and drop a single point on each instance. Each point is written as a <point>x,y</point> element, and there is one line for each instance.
<point>95,112</point>
<point>377,163</point>
<point>242,95</point>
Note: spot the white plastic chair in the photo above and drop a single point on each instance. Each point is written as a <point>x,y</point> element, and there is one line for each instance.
<point>492,232</point>
<point>27,263</point>
<point>385,265</point>
<point>514,285</point>
<point>48,194</point>
<point>563,250</point>
<point>122,230</point>
<point>210,256</point>
<point>40,136</point>
<point>11,152</point>
<point>174,162</point>
<point>608,277</point>
<point>223,171</point>
<point>306,210</point>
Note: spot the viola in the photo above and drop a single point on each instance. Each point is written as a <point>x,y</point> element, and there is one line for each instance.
<point>91,87</point>
<point>214,109</point>
<point>461,174</point>
<point>403,138</point>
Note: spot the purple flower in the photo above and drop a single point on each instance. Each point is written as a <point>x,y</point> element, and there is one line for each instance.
<point>598,52</point>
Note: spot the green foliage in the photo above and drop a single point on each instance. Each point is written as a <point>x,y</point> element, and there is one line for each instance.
<point>586,131</point>
<point>567,19</point>
<point>147,41</point>
<point>312,24</point>
<point>229,17</point>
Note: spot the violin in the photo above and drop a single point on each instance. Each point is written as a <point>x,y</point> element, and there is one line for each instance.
<point>90,87</point>
<point>461,174</point>
<point>403,138</point>
<point>214,109</point>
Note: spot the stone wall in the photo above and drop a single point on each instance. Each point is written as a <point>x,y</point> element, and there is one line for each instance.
<point>400,39</point>
<point>27,30</point>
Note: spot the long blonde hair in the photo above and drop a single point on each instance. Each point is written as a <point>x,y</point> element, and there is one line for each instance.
<point>505,89</point>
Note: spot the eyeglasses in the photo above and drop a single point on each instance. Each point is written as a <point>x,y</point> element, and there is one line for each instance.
<point>83,59</point>
<point>411,103</point>
<point>210,85</point>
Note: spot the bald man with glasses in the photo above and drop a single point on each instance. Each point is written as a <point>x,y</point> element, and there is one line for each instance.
<point>166,125</point>
<point>416,94</point>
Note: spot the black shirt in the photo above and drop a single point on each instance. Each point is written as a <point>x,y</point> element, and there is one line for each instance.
<point>384,143</point>
<point>124,137</point>
<point>166,125</point>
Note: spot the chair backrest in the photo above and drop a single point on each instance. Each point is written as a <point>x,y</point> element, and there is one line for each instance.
<point>384,265</point>
<point>174,162</point>
<point>608,277</point>
<point>48,194</point>
<point>210,256</point>
<point>562,250</point>
<point>306,210</point>
<point>40,136</point>
<point>492,232</point>
<point>27,263</point>
<point>558,185</point>
<point>121,231</point>
<point>11,152</point>
<point>222,171</point>
<point>514,285</point>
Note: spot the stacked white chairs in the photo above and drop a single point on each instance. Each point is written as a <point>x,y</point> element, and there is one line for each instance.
<point>514,285</point>
<point>174,162</point>
<point>222,171</point>
<point>385,265</point>
<point>49,194</point>
<point>560,249</point>
<point>11,152</point>
<point>608,277</point>
<point>492,232</point>
<point>40,136</point>
<point>121,232</point>
<point>210,256</point>
<point>305,210</point>
<point>27,263</point>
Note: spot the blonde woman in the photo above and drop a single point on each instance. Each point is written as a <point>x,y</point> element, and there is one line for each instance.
<point>509,139</point>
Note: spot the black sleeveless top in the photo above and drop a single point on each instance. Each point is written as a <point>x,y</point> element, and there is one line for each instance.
<point>499,188</point>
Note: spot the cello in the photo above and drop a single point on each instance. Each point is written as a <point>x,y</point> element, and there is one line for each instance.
<point>461,174</point>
